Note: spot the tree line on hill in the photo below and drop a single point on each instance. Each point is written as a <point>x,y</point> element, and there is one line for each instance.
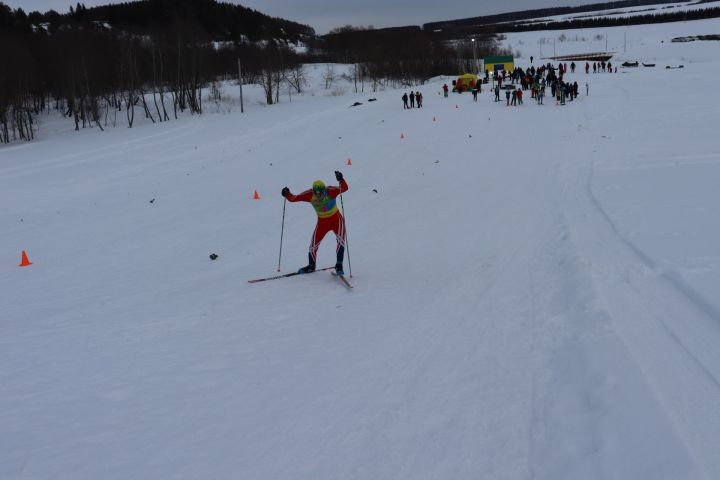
<point>523,20</point>
<point>151,58</point>
<point>156,57</point>
<point>511,17</point>
<point>400,56</point>
<point>106,65</point>
<point>618,21</point>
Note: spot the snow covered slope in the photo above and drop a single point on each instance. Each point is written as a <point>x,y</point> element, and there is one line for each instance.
<point>658,9</point>
<point>646,43</point>
<point>536,288</point>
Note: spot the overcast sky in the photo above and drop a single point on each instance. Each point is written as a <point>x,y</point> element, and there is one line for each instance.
<point>323,15</point>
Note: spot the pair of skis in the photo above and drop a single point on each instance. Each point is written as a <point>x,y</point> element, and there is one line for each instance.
<point>342,278</point>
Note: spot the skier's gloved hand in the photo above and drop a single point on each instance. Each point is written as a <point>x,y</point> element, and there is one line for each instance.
<point>338,176</point>
<point>285,191</point>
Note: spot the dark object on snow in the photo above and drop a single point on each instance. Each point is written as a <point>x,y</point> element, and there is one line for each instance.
<point>630,64</point>
<point>152,201</point>
<point>679,66</point>
<point>213,256</point>
<point>695,37</point>
<point>375,190</point>
<point>648,64</point>
<point>356,104</point>
<point>372,100</point>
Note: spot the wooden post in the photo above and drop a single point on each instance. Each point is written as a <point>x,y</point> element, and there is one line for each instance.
<point>242,107</point>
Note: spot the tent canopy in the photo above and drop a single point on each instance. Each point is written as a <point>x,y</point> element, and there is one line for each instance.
<point>465,82</point>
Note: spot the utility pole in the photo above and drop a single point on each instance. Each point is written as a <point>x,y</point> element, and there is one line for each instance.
<point>474,57</point>
<point>242,107</point>
<point>625,43</point>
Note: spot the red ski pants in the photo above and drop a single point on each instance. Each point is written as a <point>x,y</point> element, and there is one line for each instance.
<point>336,223</point>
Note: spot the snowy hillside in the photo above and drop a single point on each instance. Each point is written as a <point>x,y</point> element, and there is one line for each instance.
<point>646,43</point>
<point>658,9</point>
<point>536,288</point>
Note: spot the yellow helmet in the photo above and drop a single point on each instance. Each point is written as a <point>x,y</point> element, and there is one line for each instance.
<point>318,186</point>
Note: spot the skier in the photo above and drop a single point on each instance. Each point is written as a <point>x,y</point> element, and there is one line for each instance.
<point>322,199</point>
<point>445,90</point>
<point>405,100</point>
<point>412,99</point>
<point>497,93</point>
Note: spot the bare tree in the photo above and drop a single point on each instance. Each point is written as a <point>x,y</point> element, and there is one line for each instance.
<point>329,75</point>
<point>296,78</point>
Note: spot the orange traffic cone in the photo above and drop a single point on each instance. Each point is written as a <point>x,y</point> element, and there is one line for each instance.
<point>256,196</point>
<point>402,135</point>
<point>349,162</point>
<point>25,262</point>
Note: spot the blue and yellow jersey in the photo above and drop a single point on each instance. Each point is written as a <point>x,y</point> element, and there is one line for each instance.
<point>325,205</point>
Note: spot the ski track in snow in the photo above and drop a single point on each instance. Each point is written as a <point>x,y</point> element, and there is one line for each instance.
<point>676,350</point>
<point>519,309</point>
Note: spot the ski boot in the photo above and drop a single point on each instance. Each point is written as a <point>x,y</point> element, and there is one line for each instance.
<point>339,269</point>
<point>308,269</point>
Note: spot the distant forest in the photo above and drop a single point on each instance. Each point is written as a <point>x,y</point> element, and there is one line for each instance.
<point>538,13</point>
<point>522,20</point>
<point>616,21</point>
<point>102,66</point>
<point>220,21</point>
<point>154,57</point>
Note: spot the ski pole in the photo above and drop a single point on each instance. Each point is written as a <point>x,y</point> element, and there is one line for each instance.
<point>282,231</point>
<point>347,242</point>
